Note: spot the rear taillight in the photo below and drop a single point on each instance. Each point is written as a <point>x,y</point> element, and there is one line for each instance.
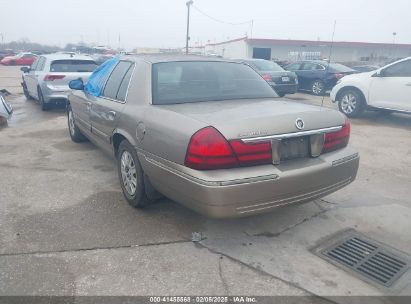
<point>250,154</point>
<point>337,140</point>
<point>208,149</point>
<point>267,77</point>
<point>53,77</point>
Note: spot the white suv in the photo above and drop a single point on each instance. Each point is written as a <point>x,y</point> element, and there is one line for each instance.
<point>388,88</point>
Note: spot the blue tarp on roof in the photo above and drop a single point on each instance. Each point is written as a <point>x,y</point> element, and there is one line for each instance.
<point>99,77</point>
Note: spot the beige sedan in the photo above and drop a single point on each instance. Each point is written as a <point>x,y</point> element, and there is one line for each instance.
<point>210,134</point>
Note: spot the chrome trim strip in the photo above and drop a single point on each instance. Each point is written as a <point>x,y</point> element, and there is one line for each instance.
<point>203,182</point>
<point>295,199</point>
<point>290,135</point>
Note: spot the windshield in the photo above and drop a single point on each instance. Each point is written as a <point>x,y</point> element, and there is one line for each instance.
<point>195,81</point>
<point>265,65</point>
<point>73,66</point>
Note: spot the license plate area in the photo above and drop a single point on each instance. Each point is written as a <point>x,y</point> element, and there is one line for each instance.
<point>285,79</point>
<point>292,148</point>
<point>296,147</point>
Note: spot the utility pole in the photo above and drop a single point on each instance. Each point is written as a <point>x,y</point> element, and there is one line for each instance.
<point>189,3</point>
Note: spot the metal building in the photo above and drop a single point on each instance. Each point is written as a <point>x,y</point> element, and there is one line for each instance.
<point>279,49</point>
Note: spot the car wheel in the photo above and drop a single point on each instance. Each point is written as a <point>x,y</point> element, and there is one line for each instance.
<point>131,175</point>
<point>25,91</point>
<point>318,87</point>
<point>351,103</point>
<point>44,106</point>
<point>281,94</point>
<point>74,131</point>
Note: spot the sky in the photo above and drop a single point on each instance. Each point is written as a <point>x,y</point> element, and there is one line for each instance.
<point>162,23</point>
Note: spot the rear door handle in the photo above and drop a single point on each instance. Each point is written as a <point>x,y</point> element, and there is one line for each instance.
<point>111,115</point>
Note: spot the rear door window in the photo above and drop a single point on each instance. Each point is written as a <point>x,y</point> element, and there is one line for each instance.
<point>294,67</point>
<point>72,66</point>
<point>122,91</point>
<point>308,66</point>
<point>116,77</point>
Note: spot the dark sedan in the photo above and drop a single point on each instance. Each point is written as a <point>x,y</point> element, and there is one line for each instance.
<point>282,81</point>
<point>318,76</point>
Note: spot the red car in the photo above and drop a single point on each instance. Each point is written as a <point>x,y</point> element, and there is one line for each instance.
<point>19,59</point>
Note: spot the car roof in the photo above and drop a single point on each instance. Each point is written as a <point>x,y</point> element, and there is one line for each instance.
<point>60,56</point>
<point>157,58</point>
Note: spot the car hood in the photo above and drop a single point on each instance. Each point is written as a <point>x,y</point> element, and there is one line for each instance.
<point>358,76</point>
<point>258,117</point>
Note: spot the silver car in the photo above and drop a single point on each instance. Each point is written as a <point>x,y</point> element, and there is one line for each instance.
<point>210,134</point>
<point>48,77</point>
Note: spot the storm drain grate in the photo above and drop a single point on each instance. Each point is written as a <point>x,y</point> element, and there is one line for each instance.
<point>369,259</point>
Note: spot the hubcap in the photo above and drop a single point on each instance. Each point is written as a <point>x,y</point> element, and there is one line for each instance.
<point>317,87</point>
<point>348,103</point>
<point>128,173</point>
<point>71,122</point>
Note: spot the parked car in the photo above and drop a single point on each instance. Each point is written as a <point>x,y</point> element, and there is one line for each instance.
<point>365,68</point>
<point>48,77</point>
<point>6,53</point>
<point>318,76</point>
<point>210,134</point>
<point>282,81</point>
<point>387,89</point>
<point>6,109</point>
<point>19,59</point>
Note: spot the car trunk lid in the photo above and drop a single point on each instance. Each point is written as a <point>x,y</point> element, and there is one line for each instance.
<point>239,119</point>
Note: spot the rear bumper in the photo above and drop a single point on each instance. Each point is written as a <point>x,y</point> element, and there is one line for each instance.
<point>246,191</point>
<point>55,94</point>
<point>284,88</point>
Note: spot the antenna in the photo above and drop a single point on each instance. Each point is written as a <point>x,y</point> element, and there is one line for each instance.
<point>329,57</point>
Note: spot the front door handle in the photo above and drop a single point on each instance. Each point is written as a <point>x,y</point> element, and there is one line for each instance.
<point>88,105</point>
<point>111,115</point>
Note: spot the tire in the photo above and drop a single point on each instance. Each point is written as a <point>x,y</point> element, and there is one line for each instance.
<point>130,173</point>
<point>281,94</point>
<point>44,106</point>
<point>318,87</point>
<point>351,103</point>
<point>74,131</point>
<point>26,92</point>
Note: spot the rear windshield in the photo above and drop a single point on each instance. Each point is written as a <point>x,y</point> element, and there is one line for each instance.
<point>265,65</point>
<point>73,66</point>
<point>195,81</point>
<point>340,68</point>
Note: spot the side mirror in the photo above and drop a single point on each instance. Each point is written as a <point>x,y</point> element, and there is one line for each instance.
<point>379,73</point>
<point>76,84</point>
<point>25,69</point>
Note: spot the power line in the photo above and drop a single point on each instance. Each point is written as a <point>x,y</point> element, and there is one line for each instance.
<point>218,20</point>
